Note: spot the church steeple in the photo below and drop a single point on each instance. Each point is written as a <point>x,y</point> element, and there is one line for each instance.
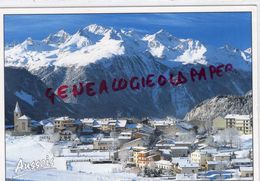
<point>17,114</point>
<point>17,108</point>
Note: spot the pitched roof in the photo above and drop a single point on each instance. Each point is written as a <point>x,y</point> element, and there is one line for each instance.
<point>237,116</point>
<point>24,117</point>
<point>184,162</point>
<point>64,118</point>
<point>246,169</point>
<point>49,125</point>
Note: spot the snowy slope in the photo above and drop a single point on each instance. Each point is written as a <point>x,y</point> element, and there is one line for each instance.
<point>94,43</point>
<point>29,148</point>
<point>221,106</point>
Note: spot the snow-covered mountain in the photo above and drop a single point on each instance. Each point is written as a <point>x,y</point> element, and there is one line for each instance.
<point>97,53</point>
<point>94,43</point>
<point>221,106</point>
<point>28,90</point>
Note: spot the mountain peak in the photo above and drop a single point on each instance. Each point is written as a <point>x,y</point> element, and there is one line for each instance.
<point>96,29</point>
<point>28,41</point>
<point>248,50</point>
<point>162,31</point>
<point>60,37</point>
<point>61,33</point>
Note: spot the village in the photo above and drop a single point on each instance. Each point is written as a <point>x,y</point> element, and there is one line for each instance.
<point>154,148</point>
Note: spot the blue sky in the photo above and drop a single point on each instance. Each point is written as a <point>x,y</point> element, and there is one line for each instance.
<point>215,29</point>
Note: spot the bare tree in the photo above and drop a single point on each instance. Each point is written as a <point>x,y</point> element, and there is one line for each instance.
<point>230,136</point>
<point>123,156</point>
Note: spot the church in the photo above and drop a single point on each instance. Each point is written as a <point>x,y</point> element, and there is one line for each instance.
<point>22,123</point>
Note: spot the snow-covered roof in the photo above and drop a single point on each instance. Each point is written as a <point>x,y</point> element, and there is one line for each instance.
<point>77,122</point>
<point>179,148</point>
<point>46,121</point>
<point>146,128</point>
<point>135,140</point>
<point>246,169</point>
<point>222,154</point>
<point>49,125</point>
<point>151,156</point>
<point>217,162</point>
<point>121,123</point>
<point>206,151</point>
<point>139,148</point>
<point>17,108</point>
<point>238,116</point>
<point>161,122</point>
<point>24,117</point>
<point>144,151</point>
<point>184,162</point>
<point>125,135</point>
<point>87,120</point>
<point>106,140</point>
<point>241,160</point>
<point>64,118</point>
<point>163,162</point>
<point>165,144</point>
<point>183,142</point>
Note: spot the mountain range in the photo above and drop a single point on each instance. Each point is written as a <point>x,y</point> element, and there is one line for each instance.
<point>96,53</point>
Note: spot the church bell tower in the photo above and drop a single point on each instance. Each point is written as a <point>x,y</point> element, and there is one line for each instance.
<point>17,114</point>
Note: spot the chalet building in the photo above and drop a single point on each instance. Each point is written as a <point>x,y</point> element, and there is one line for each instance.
<point>63,122</point>
<point>117,125</point>
<point>22,124</point>
<point>188,144</point>
<point>179,151</point>
<point>49,128</point>
<point>161,124</point>
<point>223,156</point>
<point>105,125</point>
<point>136,150</point>
<point>105,144</point>
<point>146,158</point>
<point>135,143</point>
<point>165,144</point>
<point>216,165</point>
<point>184,165</point>
<point>164,164</point>
<point>202,156</point>
<point>67,135</point>
<point>243,123</point>
<point>124,137</point>
<point>241,162</point>
<point>143,135</point>
<point>246,171</point>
